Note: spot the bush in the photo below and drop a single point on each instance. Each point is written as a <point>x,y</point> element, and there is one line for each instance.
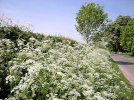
<point>34,66</point>
<point>50,70</point>
<point>12,39</point>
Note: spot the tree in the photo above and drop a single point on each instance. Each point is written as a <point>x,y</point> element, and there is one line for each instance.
<point>90,19</point>
<point>114,28</point>
<point>122,20</point>
<point>127,36</point>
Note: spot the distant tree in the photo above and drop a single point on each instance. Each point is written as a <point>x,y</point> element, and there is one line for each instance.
<point>114,28</point>
<point>90,19</point>
<point>127,36</point>
<point>122,20</point>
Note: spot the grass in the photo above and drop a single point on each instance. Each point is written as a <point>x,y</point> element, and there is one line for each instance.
<point>123,78</point>
<point>128,56</point>
<point>121,74</point>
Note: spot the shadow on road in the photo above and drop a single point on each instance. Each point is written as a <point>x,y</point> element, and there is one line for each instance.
<point>124,63</point>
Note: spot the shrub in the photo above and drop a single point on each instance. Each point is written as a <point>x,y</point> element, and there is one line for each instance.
<point>50,70</point>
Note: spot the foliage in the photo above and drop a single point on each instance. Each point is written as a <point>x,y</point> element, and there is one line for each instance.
<point>99,42</point>
<point>115,29</point>
<point>90,19</point>
<point>123,20</point>
<point>9,36</point>
<point>38,67</point>
<point>57,39</point>
<point>50,70</point>
<point>6,54</point>
<point>127,37</point>
<point>118,35</point>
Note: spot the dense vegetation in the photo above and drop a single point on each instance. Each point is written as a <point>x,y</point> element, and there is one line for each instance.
<point>93,25</point>
<point>38,67</point>
<point>119,35</point>
<point>90,19</point>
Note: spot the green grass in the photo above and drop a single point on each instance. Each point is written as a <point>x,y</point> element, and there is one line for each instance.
<point>121,74</point>
<point>123,78</point>
<point>128,56</point>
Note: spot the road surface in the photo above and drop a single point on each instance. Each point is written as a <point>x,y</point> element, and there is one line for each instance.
<point>126,65</point>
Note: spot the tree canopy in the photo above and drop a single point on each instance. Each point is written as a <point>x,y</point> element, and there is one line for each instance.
<point>119,35</point>
<point>90,18</point>
<point>127,36</point>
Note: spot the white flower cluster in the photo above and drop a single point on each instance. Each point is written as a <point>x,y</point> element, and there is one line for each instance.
<point>6,49</point>
<point>58,71</point>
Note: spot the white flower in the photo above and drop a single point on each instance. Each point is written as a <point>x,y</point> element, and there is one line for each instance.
<point>74,92</point>
<point>71,70</point>
<point>61,74</point>
<point>29,61</point>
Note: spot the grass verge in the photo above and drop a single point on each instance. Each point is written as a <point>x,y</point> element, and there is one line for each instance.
<point>121,75</point>
<point>128,56</point>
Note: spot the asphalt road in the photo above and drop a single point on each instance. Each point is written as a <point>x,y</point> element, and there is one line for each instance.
<point>126,65</point>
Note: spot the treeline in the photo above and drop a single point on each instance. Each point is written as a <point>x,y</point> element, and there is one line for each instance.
<point>119,35</point>
<point>38,67</point>
<point>93,24</point>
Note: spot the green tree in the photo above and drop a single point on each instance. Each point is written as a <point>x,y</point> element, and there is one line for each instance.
<point>114,28</point>
<point>90,19</point>
<point>122,20</point>
<point>127,37</point>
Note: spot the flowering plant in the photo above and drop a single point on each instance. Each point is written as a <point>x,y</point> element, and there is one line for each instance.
<point>57,70</point>
<point>38,67</point>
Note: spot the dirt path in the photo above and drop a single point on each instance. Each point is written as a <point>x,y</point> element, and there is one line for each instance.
<point>126,65</point>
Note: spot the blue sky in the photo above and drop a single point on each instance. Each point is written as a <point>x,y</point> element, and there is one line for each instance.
<point>58,16</point>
